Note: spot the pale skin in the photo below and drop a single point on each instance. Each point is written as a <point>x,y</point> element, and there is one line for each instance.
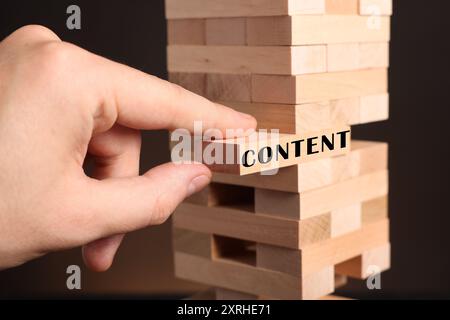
<point>59,103</point>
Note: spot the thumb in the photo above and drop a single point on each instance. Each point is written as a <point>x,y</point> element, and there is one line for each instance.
<point>117,206</point>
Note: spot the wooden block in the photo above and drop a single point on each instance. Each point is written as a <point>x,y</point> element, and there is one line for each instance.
<point>374,108</point>
<point>365,157</point>
<point>262,152</point>
<point>225,294</point>
<point>179,9</point>
<point>320,201</point>
<point>186,31</point>
<point>373,55</point>
<point>195,243</point>
<point>242,224</point>
<point>375,210</point>
<point>360,189</point>
<point>318,87</point>
<point>354,56</point>
<point>343,248</point>
<point>226,31</point>
<point>256,281</point>
<point>343,57</point>
<point>229,87</point>
<point>346,111</point>
<point>312,260</point>
<point>298,119</point>
<point>280,259</point>
<point>375,7</point>
<point>342,7</point>
<point>244,60</point>
<point>346,220</point>
<point>290,261</point>
<point>195,82</point>
<point>277,116</point>
<point>313,30</point>
<point>362,266</point>
<point>374,158</point>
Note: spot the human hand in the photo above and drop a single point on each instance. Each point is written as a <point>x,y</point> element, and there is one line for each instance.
<point>57,104</point>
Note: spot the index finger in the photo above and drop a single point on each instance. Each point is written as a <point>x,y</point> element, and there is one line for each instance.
<point>147,102</point>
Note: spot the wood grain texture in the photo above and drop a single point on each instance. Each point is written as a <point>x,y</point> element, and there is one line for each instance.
<point>247,59</point>
<point>297,119</point>
<point>229,87</point>
<point>337,198</point>
<point>375,210</point>
<point>241,224</point>
<point>343,248</point>
<point>252,280</point>
<point>186,31</point>
<point>365,157</point>
<point>317,29</point>
<point>363,266</point>
<point>313,88</point>
<point>195,243</point>
<point>179,9</point>
<point>313,261</point>
<point>226,31</point>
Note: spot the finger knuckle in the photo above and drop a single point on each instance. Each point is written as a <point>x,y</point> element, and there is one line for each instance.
<point>52,58</point>
<point>34,32</point>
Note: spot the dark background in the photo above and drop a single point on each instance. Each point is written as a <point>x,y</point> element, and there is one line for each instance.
<point>134,32</point>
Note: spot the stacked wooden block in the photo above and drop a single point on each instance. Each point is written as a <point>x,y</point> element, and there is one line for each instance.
<point>297,66</point>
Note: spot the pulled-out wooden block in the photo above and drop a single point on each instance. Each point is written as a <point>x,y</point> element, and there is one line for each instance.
<point>365,157</point>
<point>375,7</point>
<point>179,9</point>
<point>262,152</point>
<point>317,29</point>
<point>296,119</point>
<point>312,263</point>
<point>342,7</point>
<point>282,60</point>
<point>186,31</point>
<point>328,199</point>
<point>371,262</point>
<point>226,31</point>
<point>318,87</point>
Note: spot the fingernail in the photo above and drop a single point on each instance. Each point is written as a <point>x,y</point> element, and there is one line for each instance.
<point>197,184</point>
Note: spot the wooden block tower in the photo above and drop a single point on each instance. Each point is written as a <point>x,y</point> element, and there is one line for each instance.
<point>297,66</point>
